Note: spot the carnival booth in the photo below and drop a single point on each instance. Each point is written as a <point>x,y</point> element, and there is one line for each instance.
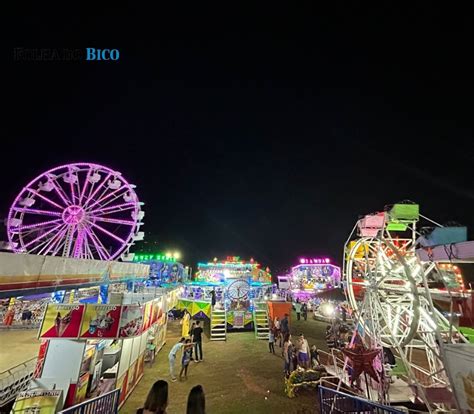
<point>90,349</point>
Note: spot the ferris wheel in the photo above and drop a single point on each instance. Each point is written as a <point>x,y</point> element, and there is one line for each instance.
<point>79,210</point>
<point>388,289</point>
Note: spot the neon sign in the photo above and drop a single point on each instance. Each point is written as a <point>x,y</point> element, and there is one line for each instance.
<point>320,260</point>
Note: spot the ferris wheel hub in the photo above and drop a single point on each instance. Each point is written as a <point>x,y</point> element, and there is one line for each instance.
<point>74,215</point>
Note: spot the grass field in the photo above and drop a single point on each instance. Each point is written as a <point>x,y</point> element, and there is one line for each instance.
<point>238,376</point>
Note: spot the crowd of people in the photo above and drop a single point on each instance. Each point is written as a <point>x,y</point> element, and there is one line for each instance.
<point>295,352</point>
<point>157,400</point>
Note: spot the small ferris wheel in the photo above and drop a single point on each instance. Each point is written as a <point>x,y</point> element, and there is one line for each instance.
<point>79,210</point>
<point>390,292</point>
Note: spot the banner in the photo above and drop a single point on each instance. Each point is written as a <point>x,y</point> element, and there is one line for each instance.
<point>131,321</point>
<point>41,357</point>
<point>62,321</point>
<point>81,389</point>
<point>38,402</point>
<point>100,321</point>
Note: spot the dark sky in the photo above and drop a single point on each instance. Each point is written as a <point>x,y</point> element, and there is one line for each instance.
<point>252,132</point>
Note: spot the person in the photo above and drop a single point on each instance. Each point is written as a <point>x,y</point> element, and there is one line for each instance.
<point>303,352</point>
<point>172,357</point>
<point>287,351</point>
<point>304,311</point>
<point>156,400</point>
<point>196,401</point>
<point>197,339</point>
<point>185,324</point>
<point>276,326</point>
<point>186,359</point>
<point>284,328</point>
<point>314,356</point>
<point>271,341</point>
<point>24,316</point>
<point>344,314</point>
<point>298,309</point>
<point>213,298</point>
<point>190,334</point>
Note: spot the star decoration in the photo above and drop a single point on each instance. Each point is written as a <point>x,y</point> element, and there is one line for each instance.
<point>362,361</point>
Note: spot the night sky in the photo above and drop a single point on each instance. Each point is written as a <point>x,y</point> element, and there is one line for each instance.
<point>248,132</point>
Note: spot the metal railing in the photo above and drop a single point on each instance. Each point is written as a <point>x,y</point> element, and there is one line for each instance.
<point>332,401</point>
<point>104,404</point>
<point>15,380</point>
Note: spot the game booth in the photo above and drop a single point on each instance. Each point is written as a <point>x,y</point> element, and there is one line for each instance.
<point>241,289</point>
<point>88,350</point>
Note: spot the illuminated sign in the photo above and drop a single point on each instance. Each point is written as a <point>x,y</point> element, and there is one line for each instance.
<point>320,260</point>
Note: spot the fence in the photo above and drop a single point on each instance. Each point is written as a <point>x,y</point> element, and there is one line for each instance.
<point>332,401</point>
<point>105,404</point>
<point>15,380</point>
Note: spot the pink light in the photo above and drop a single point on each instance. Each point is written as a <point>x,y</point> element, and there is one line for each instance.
<point>302,261</point>
<point>103,202</point>
<point>327,260</point>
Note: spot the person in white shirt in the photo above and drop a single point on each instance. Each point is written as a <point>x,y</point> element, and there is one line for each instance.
<point>276,325</point>
<point>172,357</point>
<point>298,309</point>
<point>303,352</point>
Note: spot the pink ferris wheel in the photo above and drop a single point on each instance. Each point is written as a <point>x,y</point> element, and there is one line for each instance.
<point>80,210</point>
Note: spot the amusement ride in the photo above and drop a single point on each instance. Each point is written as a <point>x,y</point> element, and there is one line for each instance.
<point>79,210</point>
<point>392,294</point>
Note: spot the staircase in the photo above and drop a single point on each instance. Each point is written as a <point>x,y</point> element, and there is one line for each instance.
<point>218,325</point>
<point>260,321</point>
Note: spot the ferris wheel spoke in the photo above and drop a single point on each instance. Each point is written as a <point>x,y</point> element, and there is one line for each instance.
<point>43,243</point>
<point>61,193</point>
<point>41,236</point>
<point>104,197</point>
<point>60,245</point>
<point>89,252</point>
<point>115,221</point>
<point>38,212</point>
<point>54,241</point>
<point>91,196</point>
<point>39,225</point>
<point>101,250</point>
<point>108,233</point>
<point>83,191</point>
<point>44,198</point>
<point>113,209</point>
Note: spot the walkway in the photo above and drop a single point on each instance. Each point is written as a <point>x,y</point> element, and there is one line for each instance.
<point>238,376</point>
<point>17,346</point>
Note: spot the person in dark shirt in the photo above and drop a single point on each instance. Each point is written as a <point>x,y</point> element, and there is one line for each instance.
<point>304,311</point>
<point>197,339</point>
<point>213,298</point>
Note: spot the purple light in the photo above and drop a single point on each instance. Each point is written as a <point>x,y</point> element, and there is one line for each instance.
<point>79,203</point>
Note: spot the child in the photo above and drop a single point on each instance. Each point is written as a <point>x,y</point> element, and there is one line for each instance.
<point>271,341</point>
<point>186,358</point>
